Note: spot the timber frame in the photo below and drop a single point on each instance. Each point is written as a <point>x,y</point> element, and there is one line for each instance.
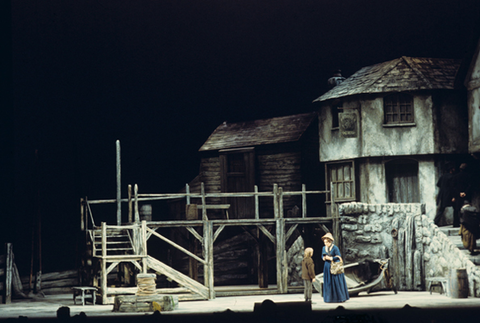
<point>140,231</point>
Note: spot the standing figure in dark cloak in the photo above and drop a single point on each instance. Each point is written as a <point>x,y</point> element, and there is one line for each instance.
<point>462,187</point>
<point>469,226</point>
<point>445,193</point>
<point>335,288</point>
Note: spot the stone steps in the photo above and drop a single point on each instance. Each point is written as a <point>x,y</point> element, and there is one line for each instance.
<point>453,235</point>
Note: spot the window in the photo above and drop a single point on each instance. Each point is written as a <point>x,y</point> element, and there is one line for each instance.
<point>398,108</point>
<point>335,110</point>
<point>342,178</point>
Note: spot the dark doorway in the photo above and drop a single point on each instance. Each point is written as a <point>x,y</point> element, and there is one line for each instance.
<point>402,181</point>
<point>237,168</point>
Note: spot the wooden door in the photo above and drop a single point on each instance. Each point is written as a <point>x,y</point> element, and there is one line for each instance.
<point>237,169</point>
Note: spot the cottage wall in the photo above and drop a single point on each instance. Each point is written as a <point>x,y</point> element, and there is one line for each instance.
<point>474,119</point>
<point>473,87</point>
<point>373,187</point>
<point>438,129</point>
<point>403,233</point>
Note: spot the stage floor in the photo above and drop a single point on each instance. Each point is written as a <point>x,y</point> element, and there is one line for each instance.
<point>379,303</point>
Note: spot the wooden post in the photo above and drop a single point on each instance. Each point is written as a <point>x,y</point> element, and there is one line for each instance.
<point>208,255</point>
<point>119,193</point>
<point>401,258</point>
<point>137,214</point>
<point>144,246</point>
<point>275,201</point>
<point>187,190</point>
<point>336,220</point>
<point>280,202</point>
<point>104,264</point>
<point>257,207</point>
<point>263,261</point>
<point>82,215</point>
<point>280,248</point>
<point>204,209</point>
<point>304,201</point>
<point>130,206</point>
<point>8,273</point>
<point>409,236</point>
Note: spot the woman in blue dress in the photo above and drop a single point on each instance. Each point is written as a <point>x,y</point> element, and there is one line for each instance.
<point>334,286</point>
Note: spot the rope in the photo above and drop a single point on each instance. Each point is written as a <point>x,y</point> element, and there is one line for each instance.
<point>146,285</point>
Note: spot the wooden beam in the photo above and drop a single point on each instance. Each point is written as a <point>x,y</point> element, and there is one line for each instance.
<point>290,231</point>
<point>119,181</point>
<point>176,246</point>
<point>324,228</point>
<point>257,205</point>
<point>136,264</point>
<point>82,215</point>
<point>214,206</point>
<point>103,282</point>
<point>208,254</point>
<point>267,233</point>
<point>304,201</point>
<point>177,276</point>
<point>204,210</point>
<point>130,204</point>
<point>143,234</point>
<point>280,249</point>
<point>8,273</point>
<point>112,266</point>
<point>195,234</point>
<point>137,214</point>
<point>217,232</point>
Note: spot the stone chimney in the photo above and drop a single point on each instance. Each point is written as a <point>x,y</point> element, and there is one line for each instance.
<point>336,79</point>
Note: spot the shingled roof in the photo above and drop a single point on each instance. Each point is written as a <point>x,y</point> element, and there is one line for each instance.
<point>399,75</point>
<point>259,132</point>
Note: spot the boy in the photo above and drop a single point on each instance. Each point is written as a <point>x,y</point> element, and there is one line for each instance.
<point>308,273</point>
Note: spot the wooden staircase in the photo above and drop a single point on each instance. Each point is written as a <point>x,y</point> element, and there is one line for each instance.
<point>452,234</point>
<point>119,242</point>
<point>118,245</point>
<point>177,276</point>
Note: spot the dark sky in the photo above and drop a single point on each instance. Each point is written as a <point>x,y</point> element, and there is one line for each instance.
<point>160,76</point>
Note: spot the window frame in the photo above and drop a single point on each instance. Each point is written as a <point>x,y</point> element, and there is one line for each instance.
<point>352,180</point>
<point>399,99</point>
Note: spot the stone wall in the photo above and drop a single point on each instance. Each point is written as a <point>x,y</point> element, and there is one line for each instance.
<point>294,261</point>
<point>402,232</point>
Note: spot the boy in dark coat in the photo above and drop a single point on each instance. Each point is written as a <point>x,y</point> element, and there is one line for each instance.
<point>308,273</point>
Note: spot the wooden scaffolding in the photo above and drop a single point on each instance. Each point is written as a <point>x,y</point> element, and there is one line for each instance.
<point>105,238</point>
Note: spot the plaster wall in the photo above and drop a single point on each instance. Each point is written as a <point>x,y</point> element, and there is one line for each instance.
<point>373,187</point>
<point>376,139</point>
<point>474,119</point>
<point>419,250</point>
<point>332,146</point>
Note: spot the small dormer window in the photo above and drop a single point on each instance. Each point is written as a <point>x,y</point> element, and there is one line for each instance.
<point>398,108</point>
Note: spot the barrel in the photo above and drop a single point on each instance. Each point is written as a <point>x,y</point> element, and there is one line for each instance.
<point>458,283</point>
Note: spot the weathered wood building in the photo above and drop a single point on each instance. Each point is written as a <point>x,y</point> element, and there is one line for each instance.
<point>249,156</point>
<point>387,131</point>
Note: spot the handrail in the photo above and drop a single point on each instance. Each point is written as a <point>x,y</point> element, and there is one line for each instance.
<point>277,193</point>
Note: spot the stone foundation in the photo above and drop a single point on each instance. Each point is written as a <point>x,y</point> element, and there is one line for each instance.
<point>403,233</point>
